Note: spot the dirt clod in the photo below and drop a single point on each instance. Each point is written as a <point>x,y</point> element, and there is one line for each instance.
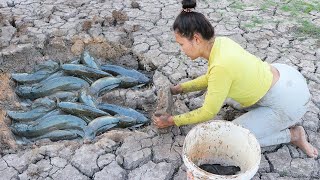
<point>135,4</point>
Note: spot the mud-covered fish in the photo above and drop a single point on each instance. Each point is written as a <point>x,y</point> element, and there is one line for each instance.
<point>57,135</point>
<point>49,124</point>
<point>54,112</point>
<point>81,109</point>
<point>86,98</point>
<point>89,61</point>
<point>89,80</point>
<point>70,96</point>
<point>47,102</point>
<point>87,119</point>
<point>126,121</point>
<point>81,70</point>
<point>104,84</point>
<point>50,113</point>
<point>128,82</point>
<point>65,83</point>
<point>54,75</point>
<point>75,61</point>
<point>115,109</point>
<point>25,116</point>
<point>118,70</point>
<point>27,78</point>
<point>49,65</point>
<point>41,73</point>
<point>102,124</point>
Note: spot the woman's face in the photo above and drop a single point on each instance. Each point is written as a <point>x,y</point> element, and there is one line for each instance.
<point>189,47</point>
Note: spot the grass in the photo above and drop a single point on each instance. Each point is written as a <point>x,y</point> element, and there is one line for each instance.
<point>238,5</point>
<point>297,9</point>
<point>254,22</point>
<point>299,6</point>
<point>308,28</point>
<point>249,25</point>
<point>283,173</point>
<point>267,4</point>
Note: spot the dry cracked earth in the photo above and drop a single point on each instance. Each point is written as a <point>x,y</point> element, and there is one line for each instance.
<point>138,34</point>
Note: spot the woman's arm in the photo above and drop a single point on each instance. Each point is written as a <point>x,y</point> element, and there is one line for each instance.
<point>219,83</point>
<point>198,84</point>
<point>163,120</point>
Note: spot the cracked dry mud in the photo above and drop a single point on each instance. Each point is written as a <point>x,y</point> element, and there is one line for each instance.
<point>138,34</point>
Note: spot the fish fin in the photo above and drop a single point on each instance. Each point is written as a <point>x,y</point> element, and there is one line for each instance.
<point>57,100</point>
<point>134,127</point>
<point>60,63</point>
<point>102,91</point>
<point>138,86</point>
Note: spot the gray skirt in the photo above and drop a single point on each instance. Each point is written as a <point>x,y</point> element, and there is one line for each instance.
<point>281,107</point>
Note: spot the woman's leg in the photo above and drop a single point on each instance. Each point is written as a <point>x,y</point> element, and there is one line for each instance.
<point>267,125</point>
<point>280,137</point>
<point>299,139</point>
<point>272,128</point>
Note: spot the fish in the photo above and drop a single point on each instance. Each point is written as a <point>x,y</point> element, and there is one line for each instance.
<point>42,72</point>
<point>69,96</point>
<point>81,109</point>
<point>57,135</point>
<point>50,113</point>
<point>118,70</point>
<point>65,83</point>
<point>49,124</point>
<point>126,121</point>
<point>26,78</point>
<point>49,65</point>
<point>81,70</point>
<point>54,75</point>
<point>47,102</point>
<point>87,119</point>
<point>75,61</point>
<point>86,98</point>
<point>89,80</point>
<point>88,60</point>
<point>104,84</point>
<point>100,125</point>
<point>115,109</point>
<point>127,82</point>
<point>25,116</point>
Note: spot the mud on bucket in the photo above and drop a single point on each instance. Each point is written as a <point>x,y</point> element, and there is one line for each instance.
<point>221,142</point>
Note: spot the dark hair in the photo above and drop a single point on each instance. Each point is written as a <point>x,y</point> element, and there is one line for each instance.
<point>189,22</point>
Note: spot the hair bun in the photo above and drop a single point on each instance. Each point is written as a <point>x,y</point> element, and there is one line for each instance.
<point>189,4</point>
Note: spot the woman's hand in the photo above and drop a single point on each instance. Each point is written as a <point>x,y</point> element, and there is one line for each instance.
<point>177,89</point>
<point>163,120</point>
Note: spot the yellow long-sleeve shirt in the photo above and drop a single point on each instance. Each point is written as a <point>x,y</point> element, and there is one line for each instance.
<point>232,72</point>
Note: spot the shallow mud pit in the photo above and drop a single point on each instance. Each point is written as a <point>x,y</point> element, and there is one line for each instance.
<point>121,150</point>
<point>113,154</point>
<point>140,98</point>
<point>25,59</point>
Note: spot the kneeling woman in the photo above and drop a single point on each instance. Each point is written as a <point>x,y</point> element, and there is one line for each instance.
<point>277,94</point>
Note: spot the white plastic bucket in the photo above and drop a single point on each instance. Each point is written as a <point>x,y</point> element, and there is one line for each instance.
<point>221,142</point>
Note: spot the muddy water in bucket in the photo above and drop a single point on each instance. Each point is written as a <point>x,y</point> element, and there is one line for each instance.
<point>222,143</point>
<point>220,169</point>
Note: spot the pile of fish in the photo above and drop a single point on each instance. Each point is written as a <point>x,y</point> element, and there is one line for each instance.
<point>64,100</point>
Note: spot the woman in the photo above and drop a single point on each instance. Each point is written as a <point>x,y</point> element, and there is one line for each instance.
<point>276,94</point>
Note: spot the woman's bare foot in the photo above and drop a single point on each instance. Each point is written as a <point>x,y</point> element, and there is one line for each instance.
<point>298,138</point>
